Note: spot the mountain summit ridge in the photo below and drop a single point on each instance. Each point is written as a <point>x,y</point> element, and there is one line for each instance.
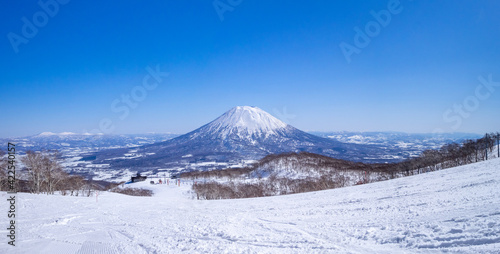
<point>245,120</point>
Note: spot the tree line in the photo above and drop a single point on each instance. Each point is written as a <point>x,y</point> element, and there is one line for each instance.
<point>448,156</point>
<point>43,173</point>
<point>329,170</point>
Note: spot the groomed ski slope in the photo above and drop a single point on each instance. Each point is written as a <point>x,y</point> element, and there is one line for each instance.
<point>454,210</point>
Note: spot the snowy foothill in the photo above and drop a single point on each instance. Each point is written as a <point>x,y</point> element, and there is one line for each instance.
<point>455,210</point>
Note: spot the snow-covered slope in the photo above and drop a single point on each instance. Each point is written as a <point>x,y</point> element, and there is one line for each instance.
<point>454,211</point>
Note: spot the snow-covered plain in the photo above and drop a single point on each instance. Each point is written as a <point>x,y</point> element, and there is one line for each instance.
<point>455,210</point>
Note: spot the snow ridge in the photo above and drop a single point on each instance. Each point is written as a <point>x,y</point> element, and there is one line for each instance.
<point>48,133</point>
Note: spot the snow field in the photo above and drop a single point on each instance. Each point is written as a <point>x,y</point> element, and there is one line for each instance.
<point>455,210</point>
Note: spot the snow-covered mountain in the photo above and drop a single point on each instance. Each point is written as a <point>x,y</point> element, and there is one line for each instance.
<point>245,122</point>
<point>241,133</point>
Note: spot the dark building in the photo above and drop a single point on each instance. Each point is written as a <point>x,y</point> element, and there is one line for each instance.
<point>138,178</point>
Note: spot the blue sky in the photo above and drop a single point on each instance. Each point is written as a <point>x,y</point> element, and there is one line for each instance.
<point>418,72</point>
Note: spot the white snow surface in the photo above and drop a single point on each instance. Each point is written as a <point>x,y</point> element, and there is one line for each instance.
<point>47,133</point>
<point>246,120</point>
<point>455,210</point>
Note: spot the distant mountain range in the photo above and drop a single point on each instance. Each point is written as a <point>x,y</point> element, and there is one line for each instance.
<point>236,138</point>
<point>78,143</point>
<point>405,144</point>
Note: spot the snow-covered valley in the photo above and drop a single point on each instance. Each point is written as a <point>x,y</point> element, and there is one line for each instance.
<point>454,210</point>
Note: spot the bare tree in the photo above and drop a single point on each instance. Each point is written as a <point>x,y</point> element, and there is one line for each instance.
<point>431,160</point>
<point>33,164</point>
<point>3,171</point>
<point>498,144</point>
<point>44,171</point>
<point>53,172</point>
<point>74,184</point>
<point>451,155</point>
<point>468,152</point>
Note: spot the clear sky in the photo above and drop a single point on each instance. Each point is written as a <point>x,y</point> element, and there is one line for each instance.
<point>411,66</point>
